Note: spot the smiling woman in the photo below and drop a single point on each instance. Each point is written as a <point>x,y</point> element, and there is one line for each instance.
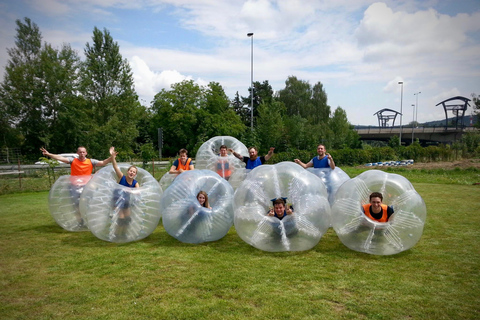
<point>117,213</point>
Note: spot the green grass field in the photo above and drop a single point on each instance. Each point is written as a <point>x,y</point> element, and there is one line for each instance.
<point>49,273</point>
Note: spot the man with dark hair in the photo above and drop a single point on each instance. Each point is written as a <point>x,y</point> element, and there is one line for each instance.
<point>183,163</point>
<point>254,160</point>
<point>323,160</point>
<point>376,210</point>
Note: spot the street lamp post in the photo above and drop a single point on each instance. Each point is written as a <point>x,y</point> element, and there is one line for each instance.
<point>416,107</point>
<point>413,121</point>
<point>250,34</point>
<point>401,111</point>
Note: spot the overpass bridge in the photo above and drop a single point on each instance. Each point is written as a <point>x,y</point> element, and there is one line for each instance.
<point>425,135</point>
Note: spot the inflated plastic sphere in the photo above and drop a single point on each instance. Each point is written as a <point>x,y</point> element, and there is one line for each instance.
<point>117,213</point>
<point>304,191</point>
<point>166,180</point>
<point>63,202</point>
<point>184,218</point>
<point>208,156</point>
<point>360,233</point>
<point>332,179</point>
<point>238,177</point>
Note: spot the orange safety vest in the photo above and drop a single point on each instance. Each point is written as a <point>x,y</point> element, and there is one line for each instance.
<point>384,218</point>
<point>81,168</point>
<point>223,168</point>
<point>184,167</point>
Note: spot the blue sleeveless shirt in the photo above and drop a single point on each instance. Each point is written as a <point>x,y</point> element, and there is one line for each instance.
<point>320,163</point>
<point>124,182</point>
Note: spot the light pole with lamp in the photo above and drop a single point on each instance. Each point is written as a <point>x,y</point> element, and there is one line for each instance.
<point>416,107</point>
<point>401,111</point>
<point>413,121</point>
<point>250,34</point>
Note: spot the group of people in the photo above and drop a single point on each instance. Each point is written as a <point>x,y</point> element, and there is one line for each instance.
<point>82,165</point>
<point>184,163</point>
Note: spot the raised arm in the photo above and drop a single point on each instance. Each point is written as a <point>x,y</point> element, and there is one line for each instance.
<point>113,156</point>
<point>236,155</point>
<point>54,156</point>
<point>269,154</point>
<point>304,165</point>
<point>331,163</point>
<point>106,161</point>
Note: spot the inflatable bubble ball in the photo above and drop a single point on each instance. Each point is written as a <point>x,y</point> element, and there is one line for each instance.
<point>166,180</point>
<point>185,219</point>
<point>364,234</point>
<point>237,177</point>
<point>302,191</point>
<point>332,179</point>
<point>209,157</point>
<point>117,213</point>
<point>64,199</point>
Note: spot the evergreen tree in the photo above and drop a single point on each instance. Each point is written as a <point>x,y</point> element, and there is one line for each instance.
<point>39,88</point>
<point>262,93</point>
<point>20,92</point>
<point>110,98</point>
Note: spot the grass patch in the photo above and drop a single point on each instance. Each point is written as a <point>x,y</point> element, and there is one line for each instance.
<point>50,273</point>
<point>455,176</point>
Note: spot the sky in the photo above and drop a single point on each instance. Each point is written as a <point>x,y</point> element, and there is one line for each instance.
<point>358,49</point>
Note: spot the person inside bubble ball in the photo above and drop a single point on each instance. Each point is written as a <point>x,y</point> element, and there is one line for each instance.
<point>253,160</point>
<point>121,198</point>
<point>81,166</point>
<point>202,198</point>
<point>279,210</point>
<point>223,165</point>
<point>323,160</point>
<point>376,210</point>
<point>183,163</point>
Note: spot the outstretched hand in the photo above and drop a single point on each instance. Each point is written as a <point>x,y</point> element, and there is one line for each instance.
<point>44,151</point>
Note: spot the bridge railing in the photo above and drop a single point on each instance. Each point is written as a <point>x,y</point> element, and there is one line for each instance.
<point>436,129</point>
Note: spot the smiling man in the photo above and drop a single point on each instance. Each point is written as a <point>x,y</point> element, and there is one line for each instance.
<point>376,210</point>
<point>253,160</point>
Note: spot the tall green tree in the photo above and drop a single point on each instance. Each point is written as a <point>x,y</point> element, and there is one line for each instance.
<point>190,114</point>
<point>39,88</point>
<point>20,91</point>
<point>341,133</point>
<point>111,101</point>
<point>270,126</point>
<point>216,116</point>
<point>240,108</point>
<point>262,93</point>
<point>300,98</point>
<point>61,105</point>
<point>175,112</point>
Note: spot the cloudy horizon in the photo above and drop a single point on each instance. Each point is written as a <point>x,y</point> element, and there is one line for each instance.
<point>358,49</point>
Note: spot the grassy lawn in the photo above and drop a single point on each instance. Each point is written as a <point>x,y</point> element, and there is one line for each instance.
<point>49,273</point>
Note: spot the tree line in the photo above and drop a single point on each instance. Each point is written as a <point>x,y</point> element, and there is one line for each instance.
<point>51,97</point>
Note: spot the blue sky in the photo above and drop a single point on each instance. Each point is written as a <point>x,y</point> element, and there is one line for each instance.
<point>358,49</point>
